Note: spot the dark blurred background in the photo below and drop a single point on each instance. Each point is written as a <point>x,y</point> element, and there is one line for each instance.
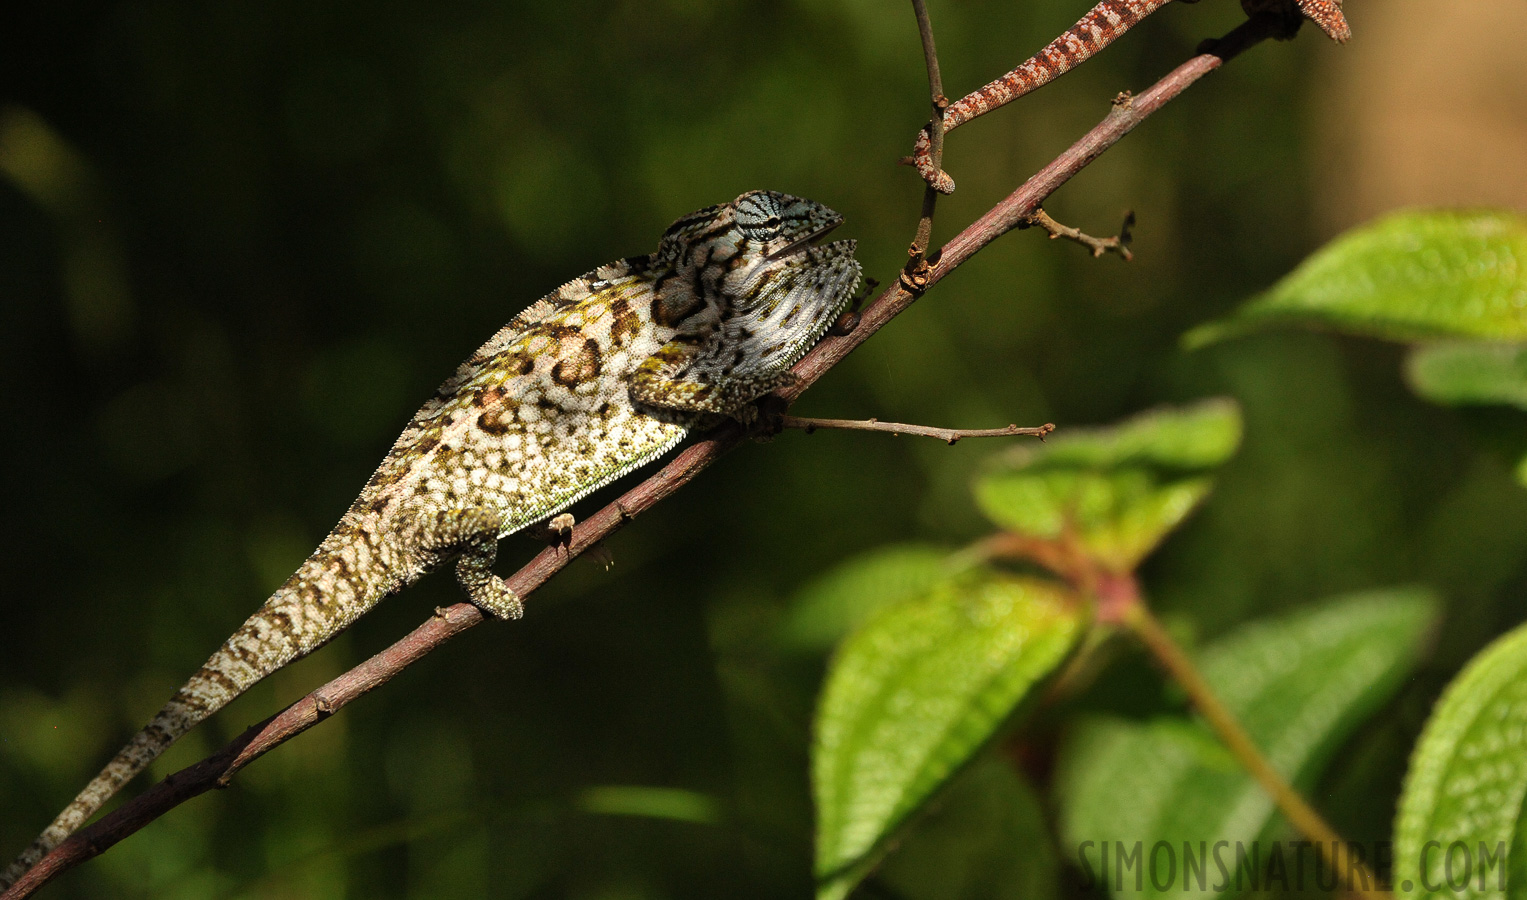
<point>241,242</point>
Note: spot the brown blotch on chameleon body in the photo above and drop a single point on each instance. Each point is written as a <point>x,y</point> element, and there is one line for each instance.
<point>625,324</point>
<point>497,421</point>
<point>571,371</point>
<point>487,396</point>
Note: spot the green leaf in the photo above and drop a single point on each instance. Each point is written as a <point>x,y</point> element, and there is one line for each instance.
<point>1461,374</point>
<point>1411,276</point>
<point>1468,775</point>
<point>836,602</point>
<point>643,801</point>
<point>1299,684</point>
<point>914,694</point>
<point>985,836</point>
<point>1120,489</point>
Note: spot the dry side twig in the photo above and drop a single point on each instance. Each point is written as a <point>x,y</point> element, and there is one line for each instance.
<point>1119,243</point>
<point>947,435</point>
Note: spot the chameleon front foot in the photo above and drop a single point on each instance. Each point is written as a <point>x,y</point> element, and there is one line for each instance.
<point>485,590</point>
<point>556,531</point>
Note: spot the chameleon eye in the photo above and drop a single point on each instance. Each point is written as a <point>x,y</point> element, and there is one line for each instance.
<point>758,216</point>
<point>762,231</point>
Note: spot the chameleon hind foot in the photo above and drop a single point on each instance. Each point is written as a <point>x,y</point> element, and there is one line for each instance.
<point>485,590</point>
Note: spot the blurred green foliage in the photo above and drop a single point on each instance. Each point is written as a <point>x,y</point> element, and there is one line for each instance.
<point>239,243</point>
<point>1119,491</point>
<point>1410,276</point>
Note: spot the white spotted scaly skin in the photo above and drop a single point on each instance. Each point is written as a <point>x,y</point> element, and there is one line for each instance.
<point>593,380</point>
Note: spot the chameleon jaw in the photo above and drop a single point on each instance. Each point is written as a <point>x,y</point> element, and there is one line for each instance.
<point>805,242</point>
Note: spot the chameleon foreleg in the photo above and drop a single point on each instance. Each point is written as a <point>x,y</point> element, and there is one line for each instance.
<point>749,353</point>
<point>671,379</point>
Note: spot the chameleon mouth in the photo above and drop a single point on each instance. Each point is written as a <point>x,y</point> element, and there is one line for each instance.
<point>805,242</point>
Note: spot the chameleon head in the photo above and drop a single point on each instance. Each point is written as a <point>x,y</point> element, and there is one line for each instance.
<point>761,253</point>
<point>757,229</point>
<point>753,270</point>
<point>774,224</point>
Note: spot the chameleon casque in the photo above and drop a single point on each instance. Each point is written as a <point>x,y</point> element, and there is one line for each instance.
<point>598,377</point>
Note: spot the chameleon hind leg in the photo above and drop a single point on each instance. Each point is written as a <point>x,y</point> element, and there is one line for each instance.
<point>435,536</point>
<point>486,591</point>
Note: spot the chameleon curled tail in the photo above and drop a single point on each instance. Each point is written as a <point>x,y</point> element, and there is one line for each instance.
<point>299,617</point>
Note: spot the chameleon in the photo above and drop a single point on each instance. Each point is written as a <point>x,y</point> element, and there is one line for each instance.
<point>590,382</point>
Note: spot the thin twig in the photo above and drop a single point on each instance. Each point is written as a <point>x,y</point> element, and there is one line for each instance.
<point>1094,31</point>
<point>915,272</point>
<point>1358,880</point>
<point>217,769</point>
<point>947,435</point>
<point>1117,244</point>
<point>1104,23</point>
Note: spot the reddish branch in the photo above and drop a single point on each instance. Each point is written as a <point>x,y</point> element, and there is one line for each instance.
<point>1096,30</point>
<point>1327,15</point>
<point>217,770</point>
<point>917,265</point>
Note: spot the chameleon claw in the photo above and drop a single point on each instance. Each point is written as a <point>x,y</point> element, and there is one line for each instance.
<point>766,418</point>
<point>1326,14</point>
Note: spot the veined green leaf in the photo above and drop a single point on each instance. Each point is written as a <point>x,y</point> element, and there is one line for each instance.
<point>1298,684</point>
<point>913,694</point>
<point>1467,780</point>
<point>1120,490</point>
<point>1458,374</point>
<point>1411,276</point>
